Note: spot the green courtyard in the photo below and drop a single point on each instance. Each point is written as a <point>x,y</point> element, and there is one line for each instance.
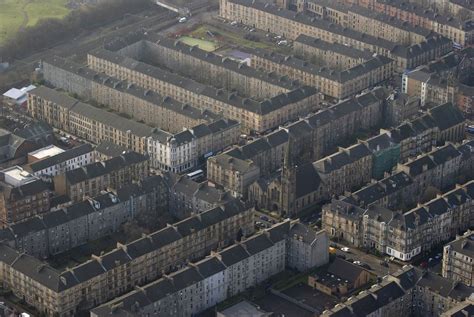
<point>18,14</point>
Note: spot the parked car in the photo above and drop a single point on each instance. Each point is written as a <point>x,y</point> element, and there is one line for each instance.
<point>345,249</point>
<point>366,266</point>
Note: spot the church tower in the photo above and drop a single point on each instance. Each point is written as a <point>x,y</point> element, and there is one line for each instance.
<point>288,183</point>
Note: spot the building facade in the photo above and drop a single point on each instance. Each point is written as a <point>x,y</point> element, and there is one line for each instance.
<point>104,277</point>
<point>458,257</point>
<point>22,195</point>
<point>90,180</point>
<point>224,274</point>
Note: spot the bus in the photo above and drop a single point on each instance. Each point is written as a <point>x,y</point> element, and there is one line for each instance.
<point>196,174</point>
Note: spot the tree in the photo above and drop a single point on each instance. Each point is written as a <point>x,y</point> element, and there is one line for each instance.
<point>48,32</point>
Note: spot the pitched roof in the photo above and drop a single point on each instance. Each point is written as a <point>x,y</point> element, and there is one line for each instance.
<point>345,270</point>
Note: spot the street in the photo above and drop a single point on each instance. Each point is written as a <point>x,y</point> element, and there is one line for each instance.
<point>369,259</point>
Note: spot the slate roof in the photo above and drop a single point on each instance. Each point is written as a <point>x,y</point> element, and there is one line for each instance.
<point>209,266</point>
<point>279,231</point>
<point>433,42</point>
<point>110,149</point>
<point>304,232</point>
<point>233,255</point>
<point>392,21</point>
<point>60,158</point>
<point>345,270</point>
<point>316,23</point>
<point>29,189</point>
<point>294,94</point>
<point>463,245</point>
<point>54,96</point>
<point>182,48</point>
<point>431,15</point>
<point>123,86</point>
<point>88,270</point>
<point>325,72</point>
<point>446,116</point>
<point>98,169</point>
<point>364,305</point>
<point>38,271</point>
<point>333,47</point>
<point>307,180</point>
<point>257,244</point>
<point>343,157</point>
<point>387,293</point>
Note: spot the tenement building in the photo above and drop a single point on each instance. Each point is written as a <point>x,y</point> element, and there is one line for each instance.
<point>182,151</point>
<point>457,30</point>
<point>45,165</point>
<point>268,17</point>
<point>359,18</point>
<point>77,224</point>
<point>188,197</point>
<point>335,55</point>
<point>90,180</point>
<point>402,235</point>
<point>335,83</point>
<point>296,188</point>
<point>22,195</point>
<point>406,292</point>
<point>170,152</point>
<point>105,277</point>
<point>284,101</point>
<point>87,122</point>
<point>121,96</point>
<point>458,257</point>
<point>225,273</point>
<point>208,68</point>
<point>311,138</point>
<point>346,169</point>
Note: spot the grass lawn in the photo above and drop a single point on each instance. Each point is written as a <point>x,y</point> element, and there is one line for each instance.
<point>15,13</point>
<point>41,9</point>
<point>227,37</point>
<point>202,44</point>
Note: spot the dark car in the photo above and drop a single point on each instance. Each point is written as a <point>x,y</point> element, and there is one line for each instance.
<point>366,266</point>
<point>383,263</point>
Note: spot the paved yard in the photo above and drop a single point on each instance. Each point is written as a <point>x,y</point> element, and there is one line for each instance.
<point>311,297</point>
<point>281,307</point>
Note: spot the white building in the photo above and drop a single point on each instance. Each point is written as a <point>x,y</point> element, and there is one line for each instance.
<point>175,153</point>
<point>18,96</point>
<point>49,162</point>
<point>16,176</point>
